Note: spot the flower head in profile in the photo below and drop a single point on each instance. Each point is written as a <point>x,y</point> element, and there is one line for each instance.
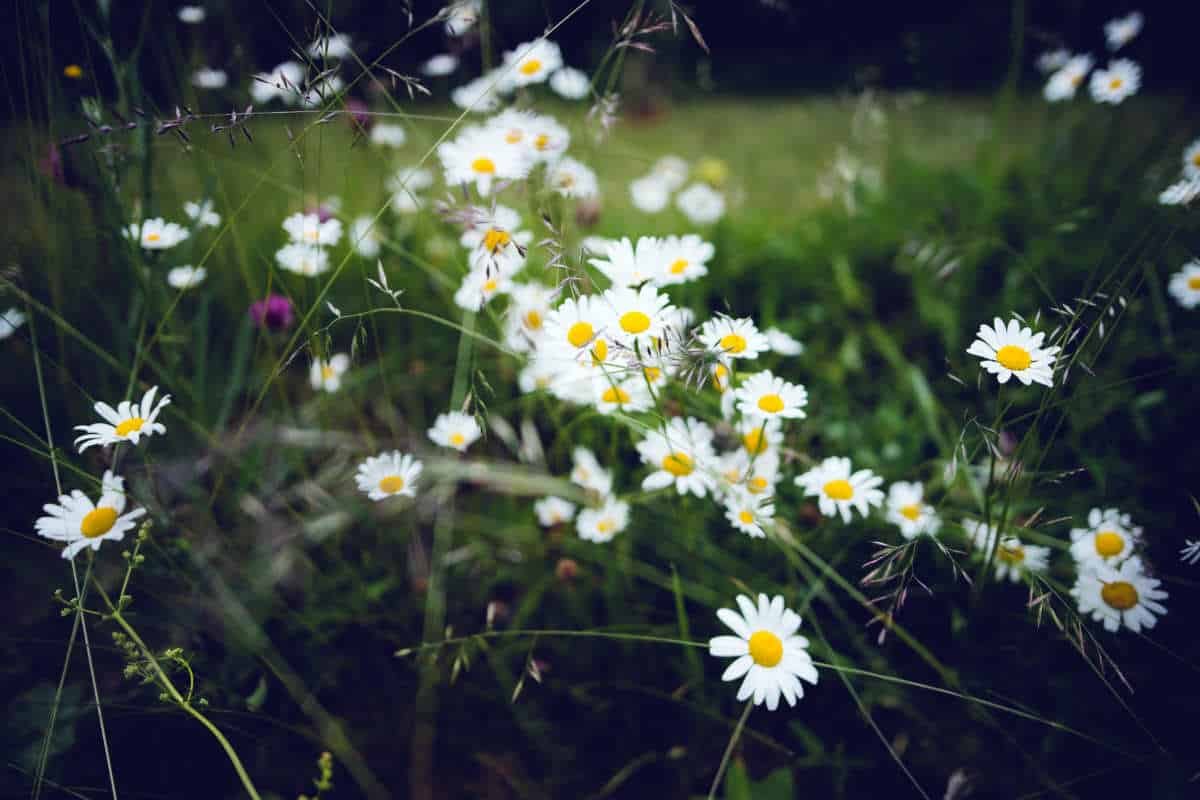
<point>326,374</point>
<point>1014,350</point>
<point>570,83</point>
<point>461,15</point>
<point>274,312</point>
<point>186,277</point>
<point>701,204</point>
<point>388,475</point>
<point>1121,31</point>
<point>587,472</point>
<point>440,65</point>
<point>1184,285</point>
<point>553,511</point>
<point>1065,82</point>
<point>907,510</point>
<point>1109,538</point>
<point>1120,80</point>
<point>838,490</point>
<point>783,343</point>
<point>765,396</point>
<point>603,523</point>
<point>1123,596</point>
<point>455,430</point>
<point>79,522</point>
<point>532,62</point>
<point>680,455</point>
<point>128,422</point>
<point>156,233</point>
<point>766,650</point>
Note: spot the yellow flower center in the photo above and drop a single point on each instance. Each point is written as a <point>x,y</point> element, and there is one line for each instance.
<point>490,285</point>
<point>73,71</point>
<point>530,66</point>
<point>678,464</point>
<point>328,373</point>
<point>606,525</point>
<point>391,484</point>
<point>495,239</point>
<point>98,522</point>
<point>580,334</point>
<point>771,403</point>
<point>757,484</point>
<point>1119,595</point>
<point>720,372</point>
<point>634,322</point>
<point>678,266</point>
<point>839,489</point>
<point>129,426</point>
<point>1015,358</point>
<point>514,136</point>
<point>733,343</point>
<point>457,439</point>
<point>1109,543</point>
<point>911,511</point>
<point>153,237</point>
<point>746,517</point>
<point>653,374</point>
<point>1116,83</point>
<point>766,648</point>
<point>484,165</point>
<point>1010,554</point>
<point>615,394</point>
<point>533,320</point>
<point>1194,283</point>
<point>1196,158</point>
<point>712,171</point>
<point>755,442</point>
<point>313,234</point>
<point>542,141</point>
<point>600,352</point>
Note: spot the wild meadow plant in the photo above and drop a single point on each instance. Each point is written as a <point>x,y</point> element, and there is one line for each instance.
<point>461,417</point>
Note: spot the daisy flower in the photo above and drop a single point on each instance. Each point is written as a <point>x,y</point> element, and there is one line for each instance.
<point>1117,596</point>
<point>81,523</point>
<point>532,62</point>
<point>1190,552</point>
<point>202,213</point>
<point>671,170</point>
<point>482,156</point>
<point>209,78</point>
<point>10,320</point>
<point>191,15</point>
<point>587,472</point>
<point>603,523</point>
<point>478,288</point>
<point>579,322</point>
<point>637,315</point>
<point>747,514</point>
<point>1063,84</point>
<point>365,236</point>
<point>570,83</point>
<point>326,375</point>
<point>627,264</point>
<point>156,233</point>
<point>1014,350</point>
<point>1109,538</point>
<point>838,490</point>
<point>767,651</point>
<point>186,277</point>
<point>1181,193</point>
<point>680,455</point>
<point>1053,60</point>
<point>629,395</point>
<point>764,396</point>
<point>309,229</point>
<point>440,65</point>
<point>1014,559</point>
<point>282,82</point>
<point>303,259</point>
<point>405,185</point>
<point>335,47</point>
<point>480,223</point>
<point>386,134</point>
<point>1122,79</point>
<point>480,95</point>
<point>461,16</point>
<point>907,510</point>
<point>733,338</point>
<point>572,178</point>
<point>782,343</point>
<point>649,194</point>
<point>455,429</point>
<point>760,436</point>
<point>682,259</point>
<point>756,476</point>
<point>1184,285</point>
<point>701,204</point>
<point>538,135</point>
<point>128,422</point>
<point>553,511</point>
<point>388,475</point>
<point>1120,31</point>
<point>526,315</point>
<point>1191,160</point>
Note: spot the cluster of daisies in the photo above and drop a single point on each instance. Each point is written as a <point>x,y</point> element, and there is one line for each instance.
<point>155,235</point>
<point>1119,80</point>
<point>702,201</point>
<point>526,65</point>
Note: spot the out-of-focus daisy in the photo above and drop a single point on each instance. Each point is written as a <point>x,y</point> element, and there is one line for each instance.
<point>760,435</point>
<point>1190,552</point>
<point>767,651</point>
<point>603,523</point>
<point>209,78</point>
<point>672,171</point>
<point>1181,193</point>
<point>1120,31</point>
<point>701,204</point>
<point>532,62</point>
<point>1191,160</point>
<point>303,259</point>
<point>480,224</point>
<point>1109,538</point>
<point>309,229</point>
<point>186,277</point>
<point>334,48</point>
<point>1117,596</point>
<point>733,338</point>
<point>480,286</point>
<point>526,316</point>
<point>1120,80</point>
<point>630,394</point>
<point>907,510</point>
<point>191,15</point>
<point>765,396</point>
<point>326,375</point>
<point>10,320</point>
<point>839,490</point>
<point>387,134</point>
<point>480,95</point>
<point>1184,285</point>
<point>1014,350</point>
<point>712,171</point>
<point>283,82</point>
<point>405,186</point>
<point>1063,84</point>
<point>754,475</point>
<point>1053,60</point>
<point>636,315</point>
<point>783,343</point>
<point>587,472</point>
<point>128,422</point>
<point>156,233</point>
<point>596,245</point>
<point>482,156</point>
<point>747,514</point>
<point>553,511</point>
<point>201,212</point>
<point>79,522</point>
<point>388,475</point>
<point>460,16</point>
<point>570,83</point>
<point>365,236</point>
<point>681,454</point>
<point>440,65</point>
<point>539,136</point>
<point>682,259</point>
<point>627,264</point>
<point>572,178</point>
<point>649,194</point>
<point>1013,557</point>
<point>455,429</point>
